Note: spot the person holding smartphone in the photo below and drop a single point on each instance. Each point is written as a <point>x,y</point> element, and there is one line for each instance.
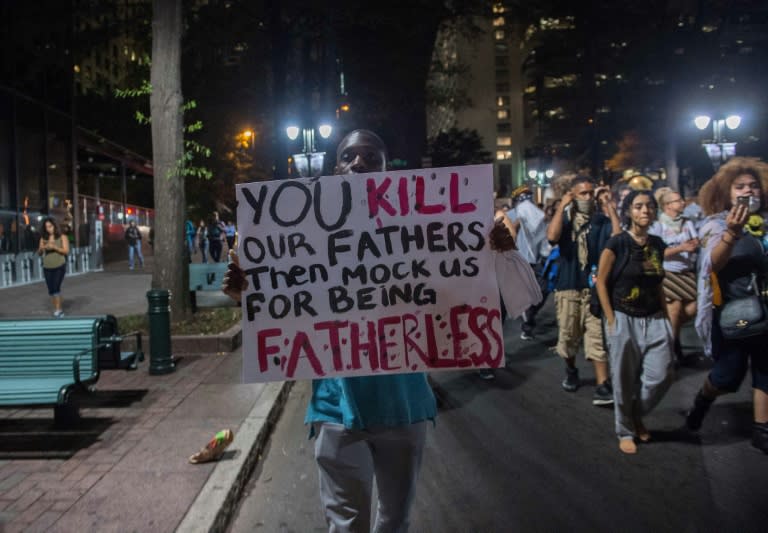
<point>54,247</point>
<point>731,259</point>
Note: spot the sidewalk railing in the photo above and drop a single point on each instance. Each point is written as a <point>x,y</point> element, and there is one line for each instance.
<point>27,267</point>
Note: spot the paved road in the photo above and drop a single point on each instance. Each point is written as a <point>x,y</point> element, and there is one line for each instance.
<point>520,454</point>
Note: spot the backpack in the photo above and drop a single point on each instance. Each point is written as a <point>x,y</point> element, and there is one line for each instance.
<point>622,258</point>
<point>549,271</point>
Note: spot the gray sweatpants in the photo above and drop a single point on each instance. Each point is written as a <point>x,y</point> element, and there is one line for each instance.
<point>347,461</point>
<point>640,349</point>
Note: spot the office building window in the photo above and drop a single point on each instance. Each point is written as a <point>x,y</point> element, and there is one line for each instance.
<point>502,87</point>
<point>502,75</point>
<point>498,21</point>
<point>566,80</point>
<point>502,101</point>
<point>499,35</point>
<point>504,141</point>
<point>502,155</point>
<point>502,114</point>
<point>501,61</point>
<point>560,23</point>
<point>503,127</point>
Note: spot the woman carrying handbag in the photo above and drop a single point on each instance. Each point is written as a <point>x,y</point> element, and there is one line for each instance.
<point>731,318</point>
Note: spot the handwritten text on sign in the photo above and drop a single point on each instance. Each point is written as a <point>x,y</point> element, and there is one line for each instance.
<point>369,274</point>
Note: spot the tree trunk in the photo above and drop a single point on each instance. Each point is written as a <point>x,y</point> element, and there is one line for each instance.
<point>167,153</point>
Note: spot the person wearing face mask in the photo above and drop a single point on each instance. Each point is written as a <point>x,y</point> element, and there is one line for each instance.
<point>732,260</point>
<point>682,242</point>
<point>581,230</point>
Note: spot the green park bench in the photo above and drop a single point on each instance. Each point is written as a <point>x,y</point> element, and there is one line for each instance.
<point>205,277</point>
<point>44,361</point>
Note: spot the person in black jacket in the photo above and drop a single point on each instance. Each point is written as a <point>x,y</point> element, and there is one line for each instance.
<point>133,238</point>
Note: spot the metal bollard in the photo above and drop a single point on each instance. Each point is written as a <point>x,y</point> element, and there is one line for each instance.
<point>71,266</point>
<point>159,314</point>
<point>26,275</point>
<point>6,270</point>
<point>86,256</point>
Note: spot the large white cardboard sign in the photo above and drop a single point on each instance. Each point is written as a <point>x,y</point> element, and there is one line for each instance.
<point>369,274</point>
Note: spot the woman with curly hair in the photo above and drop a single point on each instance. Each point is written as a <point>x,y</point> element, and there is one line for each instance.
<point>731,261</point>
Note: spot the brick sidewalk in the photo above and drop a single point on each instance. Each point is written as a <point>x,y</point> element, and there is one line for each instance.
<point>124,467</point>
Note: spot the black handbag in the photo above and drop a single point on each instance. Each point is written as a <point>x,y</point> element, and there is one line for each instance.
<point>744,317</point>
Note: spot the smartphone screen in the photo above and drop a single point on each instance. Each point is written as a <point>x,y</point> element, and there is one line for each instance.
<point>743,200</point>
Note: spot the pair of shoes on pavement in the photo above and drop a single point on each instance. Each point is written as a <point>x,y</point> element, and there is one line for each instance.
<point>603,393</point>
<point>58,313</point>
<point>486,374</point>
<point>215,447</point>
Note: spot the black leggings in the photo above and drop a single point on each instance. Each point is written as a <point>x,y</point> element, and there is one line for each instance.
<point>53,278</point>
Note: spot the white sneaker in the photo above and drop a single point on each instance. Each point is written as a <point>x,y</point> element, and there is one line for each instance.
<point>58,313</point>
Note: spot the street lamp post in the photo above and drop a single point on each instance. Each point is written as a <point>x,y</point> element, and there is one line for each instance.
<point>309,162</point>
<point>718,149</point>
<point>541,179</point>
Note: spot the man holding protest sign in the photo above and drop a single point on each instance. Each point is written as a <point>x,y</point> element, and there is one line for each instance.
<point>367,425</point>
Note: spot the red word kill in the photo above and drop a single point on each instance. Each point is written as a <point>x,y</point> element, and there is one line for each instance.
<point>377,197</point>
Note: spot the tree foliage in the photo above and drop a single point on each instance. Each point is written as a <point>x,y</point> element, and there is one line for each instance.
<point>457,147</point>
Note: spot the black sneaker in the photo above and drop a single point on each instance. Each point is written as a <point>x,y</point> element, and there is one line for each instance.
<point>603,394</point>
<point>571,382</point>
<point>760,436</point>
<point>486,374</point>
<point>696,415</point>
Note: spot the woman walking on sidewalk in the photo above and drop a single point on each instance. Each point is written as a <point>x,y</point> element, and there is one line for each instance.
<point>54,247</point>
<point>732,261</point>
<point>637,331</point>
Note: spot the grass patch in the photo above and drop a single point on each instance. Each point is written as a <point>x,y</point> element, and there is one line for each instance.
<point>204,322</point>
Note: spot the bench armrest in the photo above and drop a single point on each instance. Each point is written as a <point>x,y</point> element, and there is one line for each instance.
<point>76,363</point>
<point>139,354</point>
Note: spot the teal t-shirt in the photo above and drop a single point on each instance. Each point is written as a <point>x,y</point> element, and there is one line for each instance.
<point>372,401</point>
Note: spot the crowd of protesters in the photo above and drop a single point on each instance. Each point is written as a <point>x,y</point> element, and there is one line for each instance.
<point>208,237</point>
<point>629,266</point>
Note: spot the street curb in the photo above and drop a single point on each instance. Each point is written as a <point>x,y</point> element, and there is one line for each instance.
<point>228,341</point>
<point>216,502</point>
